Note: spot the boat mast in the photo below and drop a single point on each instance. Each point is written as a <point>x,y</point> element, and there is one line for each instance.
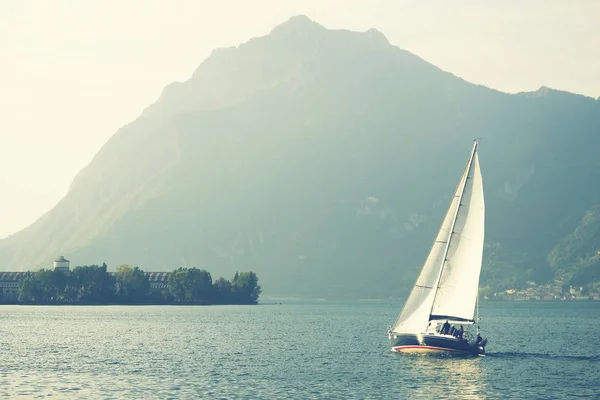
<point>477,311</point>
<point>460,196</point>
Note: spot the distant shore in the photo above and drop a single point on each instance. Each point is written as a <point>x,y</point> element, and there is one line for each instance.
<point>545,300</point>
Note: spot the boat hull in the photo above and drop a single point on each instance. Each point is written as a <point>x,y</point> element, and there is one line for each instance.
<point>427,343</point>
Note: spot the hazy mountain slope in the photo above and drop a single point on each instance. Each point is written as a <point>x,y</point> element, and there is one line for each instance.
<point>576,257</point>
<point>323,160</point>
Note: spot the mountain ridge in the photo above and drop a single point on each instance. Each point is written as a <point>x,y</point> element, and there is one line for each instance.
<point>314,155</point>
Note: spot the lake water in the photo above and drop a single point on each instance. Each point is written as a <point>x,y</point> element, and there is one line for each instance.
<point>537,350</point>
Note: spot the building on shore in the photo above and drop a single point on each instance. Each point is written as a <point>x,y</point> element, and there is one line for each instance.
<point>9,285</point>
<point>158,280</point>
<point>61,264</point>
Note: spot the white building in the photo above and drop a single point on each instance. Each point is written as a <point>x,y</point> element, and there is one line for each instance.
<point>61,264</point>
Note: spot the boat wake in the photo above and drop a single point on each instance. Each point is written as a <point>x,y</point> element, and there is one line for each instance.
<point>543,356</point>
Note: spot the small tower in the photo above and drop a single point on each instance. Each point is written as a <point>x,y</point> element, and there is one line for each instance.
<point>61,264</point>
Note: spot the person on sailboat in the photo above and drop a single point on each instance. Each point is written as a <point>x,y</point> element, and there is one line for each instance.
<point>460,333</point>
<point>479,339</point>
<point>445,328</point>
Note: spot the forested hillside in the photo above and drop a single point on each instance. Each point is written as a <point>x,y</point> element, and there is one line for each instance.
<point>324,160</point>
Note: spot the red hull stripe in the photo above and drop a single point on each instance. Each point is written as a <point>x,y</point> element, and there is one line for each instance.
<point>400,348</point>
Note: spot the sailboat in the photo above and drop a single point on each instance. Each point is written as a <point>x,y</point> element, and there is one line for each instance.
<point>445,295</point>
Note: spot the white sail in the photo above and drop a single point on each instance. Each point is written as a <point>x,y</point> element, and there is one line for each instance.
<point>459,282</point>
<point>425,295</point>
<point>415,314</point>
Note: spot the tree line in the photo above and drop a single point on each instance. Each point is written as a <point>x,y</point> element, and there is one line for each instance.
<point>93,284</point>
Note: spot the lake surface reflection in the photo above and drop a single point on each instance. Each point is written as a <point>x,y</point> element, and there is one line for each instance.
<point>296,350</point>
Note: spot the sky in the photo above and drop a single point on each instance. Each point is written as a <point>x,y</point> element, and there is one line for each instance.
<point>73,72</point>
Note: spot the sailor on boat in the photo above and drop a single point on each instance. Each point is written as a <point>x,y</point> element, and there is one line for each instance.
<point>460,333</point>
<point>445,328</point>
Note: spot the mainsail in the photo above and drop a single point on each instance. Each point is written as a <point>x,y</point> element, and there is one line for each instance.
<point>447,285</point>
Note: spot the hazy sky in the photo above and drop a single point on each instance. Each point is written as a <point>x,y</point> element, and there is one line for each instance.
<point>73,72</point>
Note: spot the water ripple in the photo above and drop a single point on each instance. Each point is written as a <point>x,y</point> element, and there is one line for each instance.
<point>295,351</point>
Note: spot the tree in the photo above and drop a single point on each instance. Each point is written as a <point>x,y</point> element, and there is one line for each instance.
<point>89,284</point>
<point>57,281</point>
<point>43,286</point>
<point>51,284</point>
<point>177,284</point>
<point>200,288</point>
<point>222,290</point>
<point>191,285</point>
<point>245,288</point>
<point>30,289</point>
<point>132,284</point>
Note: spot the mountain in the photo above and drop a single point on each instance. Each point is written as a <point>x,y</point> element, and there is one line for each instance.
<point>576,257</point>
<point>324,160</point>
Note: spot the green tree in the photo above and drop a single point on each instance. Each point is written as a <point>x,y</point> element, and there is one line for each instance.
<point>191,285</point>
<point>200,287</point>
<point>132,284</point>
<point>43,286</point>
<point>245,288</point>
<point>222,290</point>
<point>89,284</point>
<point>30,289</point>
<point>177,284</point>
<point>103,288</point>
<point>57,283</point>
<point>51,284</point>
